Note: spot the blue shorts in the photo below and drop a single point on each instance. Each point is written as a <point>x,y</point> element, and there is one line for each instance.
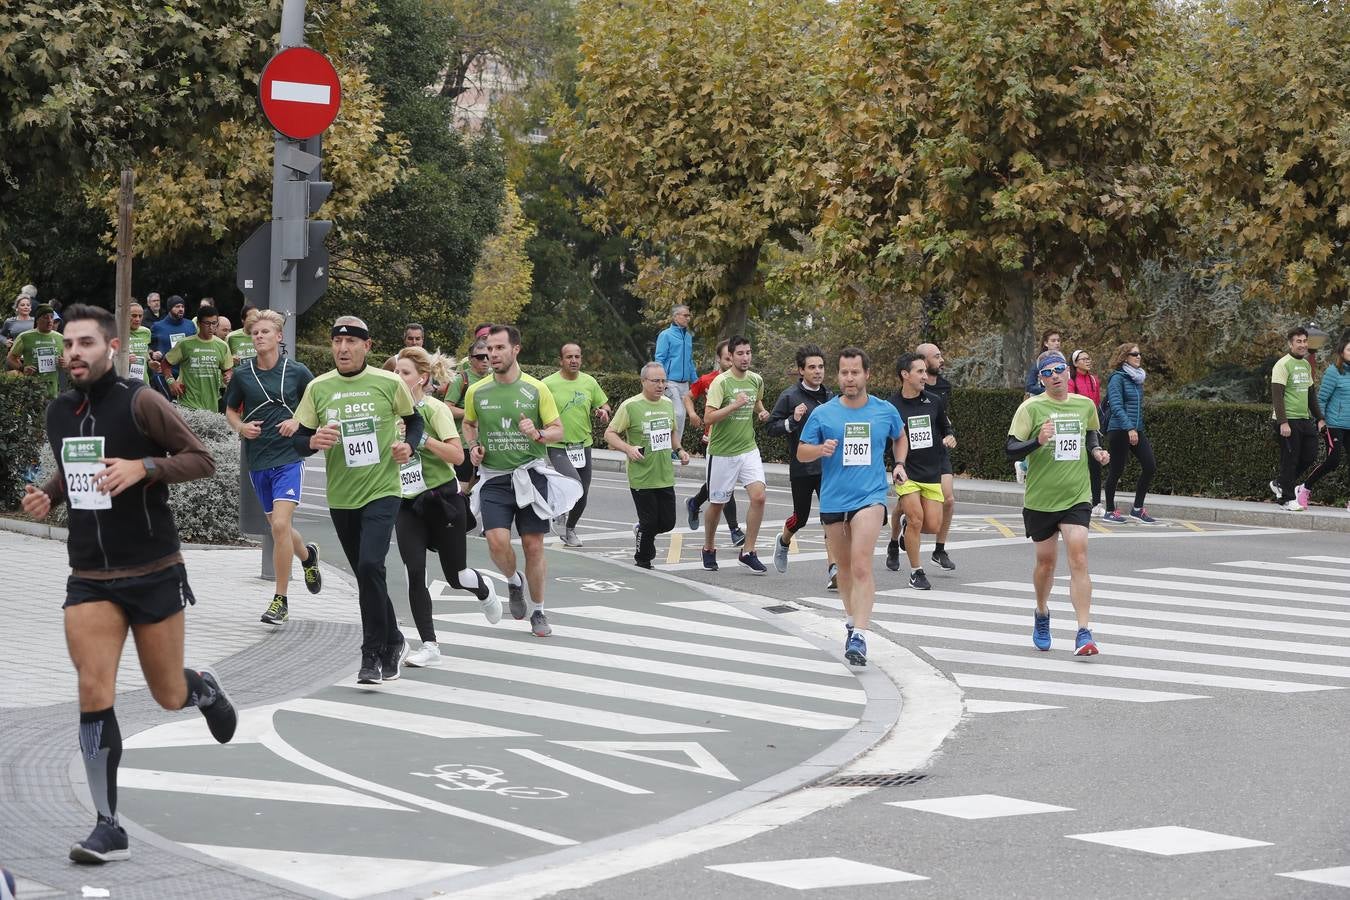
<point>278,483</point>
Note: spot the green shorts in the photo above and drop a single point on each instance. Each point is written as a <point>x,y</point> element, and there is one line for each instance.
<point>925,490</point>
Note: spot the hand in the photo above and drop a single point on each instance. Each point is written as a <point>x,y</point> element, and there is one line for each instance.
<point>763,415</point>
<point>1321,424</point>
<point>288,428</point>
<point>118,475</point>
<point>1103,456</point>
<point>684,457</point>
<point>634,453</point>
<point>603,415</point>
<point>325,438</point>
<point>528,428</point>
<point>742,399</point>
<point>30,370</point>
<point>1047,432</point>
<point>476,455</point>
<point>949,442</point>
<point>36,502</point>
<point>250,430</point>
<point>1134,438</point>
<point>1285,430</point>
<point>61,361</point>
<point>401,451</point>
<point>177,389</point>
<point>799,412</point>
<point>828,448</point>
<point>695,420</point>
<point>898,474</point>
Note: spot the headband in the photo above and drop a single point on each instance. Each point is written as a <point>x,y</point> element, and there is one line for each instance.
<point>355,331</point>
<point>1051,360</point>
<point>1077,353</point>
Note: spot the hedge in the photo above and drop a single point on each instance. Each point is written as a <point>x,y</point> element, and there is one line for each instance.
<point>22,426</point>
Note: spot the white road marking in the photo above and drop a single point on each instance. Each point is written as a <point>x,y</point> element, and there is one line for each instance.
<point>343,875</point>
<point>687,626</point>
<point>1310,591</point>
<point>818,872</point>
<point>1272,609</point>
<point>700,762</point>
<point>1063,689</point>
<point>1168,840</point>
<point>1227,591</point>
<point>577,771</point>
<point>1338,876</point>
<point>979,806</point>
<point>431,726</point>
<point>1283,566</point>
<point>710,606</point>
<point>248,788</point>
<point>1344,560</point>
<point>1002,706</point>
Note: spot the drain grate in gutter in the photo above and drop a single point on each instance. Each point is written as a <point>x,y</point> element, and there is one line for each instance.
<point>781,608</point>
<point>884,779</point>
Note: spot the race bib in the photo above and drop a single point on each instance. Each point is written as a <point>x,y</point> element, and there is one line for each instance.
<point>81,459</point>
<point>577,457</point>
<point>920,432</point>
<point>136,368</point>
<point>175,338</point>
<point>358,443</point>
<point>1068,440</point>
<point>46,360</point>
<point>410,479</point>
<point>659,436</point>
<point>857,443</point>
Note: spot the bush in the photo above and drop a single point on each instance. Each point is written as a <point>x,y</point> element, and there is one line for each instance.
<point>22,430</point>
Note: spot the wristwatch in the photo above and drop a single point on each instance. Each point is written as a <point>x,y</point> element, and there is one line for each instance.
<point>149,463</point>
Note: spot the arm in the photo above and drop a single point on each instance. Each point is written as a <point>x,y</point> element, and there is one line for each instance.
<point>1115,397</point>
<point>449,451</point>
<point>413,429</point>
<point>663,354</point>
<point>780,420</point>
<point>1277,397</point>
<point>1033,385</point>
<point>551,433</point>
<point>1016,450</point>
<point>1313,406</point>
<point>188,459</point>
<point>13,360</point>
<point>1327,387</point>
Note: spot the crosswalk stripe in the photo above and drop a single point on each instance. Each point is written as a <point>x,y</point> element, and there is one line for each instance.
<point>1171,600</point>
<point>342,875</point>
<point>712,606</point>
<point>1283,566</point>
<point>1264,594</point>
<point>685,648</point>
<point>1138,673</point>
<point>1002,706</point>
<point>1344,560</point>
<point>248,788</point>
<point>1127,651</point>
<point>687,626</point>
<point>623,690</point>
<point>516,705</point>
<point>704,675</point>
<point>1064,689</point>
<point>1307,590</point>
<point>431,726</point>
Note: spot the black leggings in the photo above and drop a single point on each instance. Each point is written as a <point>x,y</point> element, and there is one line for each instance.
<point>557,458</point>
<point>433,520</point>
<point>364,534</point>
<point>656,515</point>
<point>803,486</point>
<point>1334,437</point>
<point>728,509</point>
<point>1118,443</point>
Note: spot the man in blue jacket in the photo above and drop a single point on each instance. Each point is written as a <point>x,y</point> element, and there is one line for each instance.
<point>165,335</point>
<point>675,353</point>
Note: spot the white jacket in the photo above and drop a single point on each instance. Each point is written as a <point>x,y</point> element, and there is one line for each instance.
<point>563,492</point>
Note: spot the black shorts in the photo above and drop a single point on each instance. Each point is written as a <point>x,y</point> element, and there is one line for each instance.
<point>1042,526</point>
<point>836,518</point>
<point>146,599</point>
<point>497,506</point>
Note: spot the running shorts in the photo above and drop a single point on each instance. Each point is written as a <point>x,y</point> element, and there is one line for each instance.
<point>836,518</point>
<point>726,473</point>
<point>278,483</point>
<point>146,599</point>
<point>924,489</point>
<point>497,506</point>
<point>1042,526</point>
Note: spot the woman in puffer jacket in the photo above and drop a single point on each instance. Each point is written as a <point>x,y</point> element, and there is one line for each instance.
<point>1125,432</point>
<point>1333,395</point>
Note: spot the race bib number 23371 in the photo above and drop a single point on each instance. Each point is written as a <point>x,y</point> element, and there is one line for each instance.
<point>82,461</point>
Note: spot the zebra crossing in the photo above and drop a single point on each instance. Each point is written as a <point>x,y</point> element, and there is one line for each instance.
<point>1168,634</point>
<point>643,704</point>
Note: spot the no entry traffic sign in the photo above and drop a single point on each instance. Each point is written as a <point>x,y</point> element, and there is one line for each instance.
<point>300,92</point>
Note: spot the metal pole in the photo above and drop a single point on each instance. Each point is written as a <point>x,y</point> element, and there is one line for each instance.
<point>125,198</point>
<point>282,276</point>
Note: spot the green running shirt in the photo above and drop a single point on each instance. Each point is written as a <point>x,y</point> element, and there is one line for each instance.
<point>426,468</point>
<point>496,409</point>
<point>576,400</point>
<point>201,363</point>
<point>1057,471</point>
<point>1296,376</point>
<point>241,345</point>
<point>735,434</point>
<point>648,424</point>
<point>41,351</point>
<point>138,355</point>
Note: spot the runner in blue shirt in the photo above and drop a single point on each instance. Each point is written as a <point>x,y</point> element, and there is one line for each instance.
<point>849,434</point>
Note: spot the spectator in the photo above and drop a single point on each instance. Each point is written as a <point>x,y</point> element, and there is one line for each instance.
<point>1082,381</point>
<point>1295,410</point>
<point>153,309</point>
<point>1050,340</point>
<point>675,353</point>
<point>21,321</point>
<point>1334,398</point>
<point>1125,431</point>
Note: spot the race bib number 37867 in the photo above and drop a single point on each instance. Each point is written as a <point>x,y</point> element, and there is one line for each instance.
<point>857,443</point>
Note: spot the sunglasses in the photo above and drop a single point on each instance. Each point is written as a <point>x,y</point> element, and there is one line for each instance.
<point>480,356</point>
<point>1054,370</point>
<point>1133,353</point>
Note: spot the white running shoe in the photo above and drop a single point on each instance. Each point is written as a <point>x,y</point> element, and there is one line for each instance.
<point>1098,511</point>
<point>1291,506</point>
<point>491,604</point>
<point>428,654</point>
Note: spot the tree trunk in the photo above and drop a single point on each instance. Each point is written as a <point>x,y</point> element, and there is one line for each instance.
<point>1019,328</point>
<point>741,285</point>
<point>125,198</point>
<point>931,307</point>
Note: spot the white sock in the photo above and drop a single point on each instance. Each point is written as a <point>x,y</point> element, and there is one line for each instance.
<point>538,604</point>
<point>914,571</point>
<point>860,631</point>
<point>848,623</point>
<point>516,580</point>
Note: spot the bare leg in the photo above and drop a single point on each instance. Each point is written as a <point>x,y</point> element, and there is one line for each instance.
<point>535,565</point>
<point>912,506</point>
<point>95,633</point>
<point>755,517</point>
<point>286,543</point>
<point>710,517</point>
<point>895,518</point>
<point>1080,582</point>
<point>838,540</point>
<point>863,531</point>
<point>502,553</point>
<point>948,508</point>
<point>1043,577</point>
<point>160,648</point>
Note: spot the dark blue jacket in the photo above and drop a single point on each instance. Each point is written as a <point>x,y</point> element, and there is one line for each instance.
<point>1126,400</point>
<point>1033,377</point>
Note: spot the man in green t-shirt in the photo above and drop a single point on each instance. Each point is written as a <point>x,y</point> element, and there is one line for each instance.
<point>1295,411</point>
<point>203,362</point>
<point>642,430</point>
<point>352,414</point>
<point>578,396</point>
<point>509,421</point>
<point>1055,432</point>
<point>240,341</point>
<point>138,346</point>
<point>37,351</point>
<point>735,401</point>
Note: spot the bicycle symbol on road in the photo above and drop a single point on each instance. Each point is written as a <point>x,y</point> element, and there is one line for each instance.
<point>472,777</point>
<point>594,585</point>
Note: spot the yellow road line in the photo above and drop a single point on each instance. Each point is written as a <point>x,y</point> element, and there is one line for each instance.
<point>1192,526</point>
<point>1003,529</point>
<point>676,547</point>
<point>1097,526</point>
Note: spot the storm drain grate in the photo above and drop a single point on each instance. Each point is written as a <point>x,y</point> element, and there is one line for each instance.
<point>781,608</point>
<point>884,779</point>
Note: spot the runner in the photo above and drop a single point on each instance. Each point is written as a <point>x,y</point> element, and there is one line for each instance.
<point>789,414</point>
<point>939,385</point>
<point>1051,340</point>
<point>431,515</point>
<point>138,346</point>
<point>643,430</point>
<point>351,414</point>
<point>172,328</point>
<point>578,396</point>
<point>850,434</point>
<point>516,418</point>
<point>1296,409</point>
<point>918,504</point>
<point>240,341</point>
<point>694,505</point>
<point>37,351</point>
<point>733,456</point>
<point>260,405</point>
<point>1054,432</point>
<point>477,370</point>
<point>118,447</point>
<point>195,368</point>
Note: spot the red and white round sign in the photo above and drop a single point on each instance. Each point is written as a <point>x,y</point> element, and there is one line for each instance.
<point>300,92</point>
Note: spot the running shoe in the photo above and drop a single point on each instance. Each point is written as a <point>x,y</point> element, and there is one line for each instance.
<point>1083,644</point>
<point>942,559</point>
<point>313,577</point>
<point>391,661</point>
<point>893,556</point>
<point>429,654</point>
<point>919,581</point>
<point>710,560</point>
<point>1141,515</point>
<point>737,537</point>
<point>1291,506</point>
<point>1113,515</point>
<point>1040,631</point>
<point>570,538</point>
<point>692,508</point>
<point>220,715</point>
<point>637,537</point>
<point>558,524</point>
<point>856,653</point>
<point>1277,491</point>
<point>539,624</point>
<point>1098,510</point>
<point>751,561</point>
<point>491,605</point>
<point>106,843</point>
<point>642,563</point>
<point>371,671</point>
<point>1302,495</point>
<point>904,522</point>
<point>516,599</point>
<point>277,612</point>
<point>780,552</point>
<point>833,583</point>
<point>1020,471</point>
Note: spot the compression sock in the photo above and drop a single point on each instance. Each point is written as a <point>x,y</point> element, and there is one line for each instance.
<point>101,750</point>
<point>199,693</point>
<point>470,580</point>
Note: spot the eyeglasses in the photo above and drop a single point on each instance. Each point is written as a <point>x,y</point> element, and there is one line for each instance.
<point>655,380</point>
<point>1133,353</point>
<point>479,356</point>
<point>1054,370</point>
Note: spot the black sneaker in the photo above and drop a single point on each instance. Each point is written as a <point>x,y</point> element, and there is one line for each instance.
<point>220,715</point>
<point>710,560</point>
<point>277,611</point>
<point>942,559</point>
<point>106,843</point>
<point>893,556</point>
<point>693,510</point>
<point>371,671</point>
<point>391,661</point>
<point>833,583</point>
<point>919,581</point>
<point>737,537</point>
<point>516,592</point>
<point>313,577</point>
<point>904,521</point>
<point>751,561</point>
<point>642,563</point>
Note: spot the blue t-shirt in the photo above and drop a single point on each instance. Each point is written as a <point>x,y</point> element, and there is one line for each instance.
<point>855,476</point>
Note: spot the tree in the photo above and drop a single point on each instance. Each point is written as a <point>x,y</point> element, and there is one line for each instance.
<point>995,150</point>
<point>687,121</point>
<point>520,35</point>
<point>1257,99</point>
<point>501,281</point>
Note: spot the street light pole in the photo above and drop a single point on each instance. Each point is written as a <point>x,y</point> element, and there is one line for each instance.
<point>282,277</point>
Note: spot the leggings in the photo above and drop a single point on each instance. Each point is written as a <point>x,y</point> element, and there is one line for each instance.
<point>803,486</point>
<point>434,520</point>
<point>728,509</point>
<point>364,534</point>
<point>656,515</point>
<point>557,458</point>
<point>1119,446</point>
<point>1334,438</point>
<point>1095,476</point>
